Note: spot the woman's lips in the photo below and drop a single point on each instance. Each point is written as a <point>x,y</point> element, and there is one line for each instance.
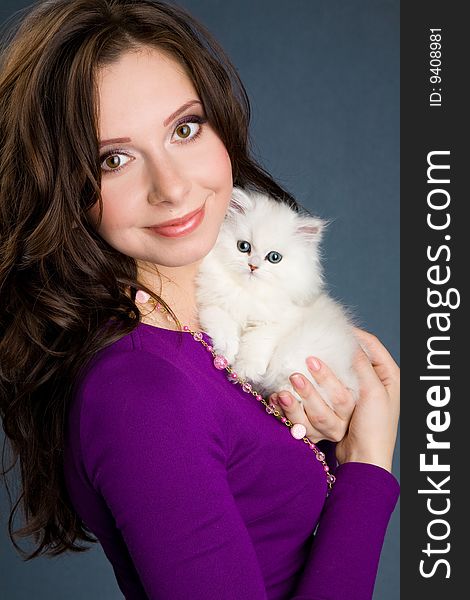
<point>181,229</point>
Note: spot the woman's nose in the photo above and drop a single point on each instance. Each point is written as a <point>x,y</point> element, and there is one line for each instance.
<point>167,181</point>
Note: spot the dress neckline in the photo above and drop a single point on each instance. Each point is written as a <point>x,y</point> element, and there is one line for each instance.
<point>169,330</point>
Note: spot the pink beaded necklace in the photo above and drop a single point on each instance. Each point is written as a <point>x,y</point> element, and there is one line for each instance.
<point>297,430</point>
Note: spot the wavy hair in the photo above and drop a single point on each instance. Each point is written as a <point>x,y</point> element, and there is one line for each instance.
<point>62,287</point>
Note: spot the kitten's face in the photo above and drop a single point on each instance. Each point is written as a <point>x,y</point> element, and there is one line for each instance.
<point>265,246</point>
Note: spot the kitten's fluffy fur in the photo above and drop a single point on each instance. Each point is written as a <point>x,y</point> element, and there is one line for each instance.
<point>267,321</point>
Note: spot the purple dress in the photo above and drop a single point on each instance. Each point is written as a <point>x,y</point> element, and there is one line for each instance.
<point>195,492</point>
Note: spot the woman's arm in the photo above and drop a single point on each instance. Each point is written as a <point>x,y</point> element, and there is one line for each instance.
<point>345,553</point>
<point>160,465</point>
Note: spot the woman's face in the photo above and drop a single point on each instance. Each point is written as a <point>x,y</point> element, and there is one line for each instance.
<point>157,165</point>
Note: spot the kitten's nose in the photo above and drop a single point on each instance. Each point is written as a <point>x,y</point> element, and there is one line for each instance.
<point>252,267</point>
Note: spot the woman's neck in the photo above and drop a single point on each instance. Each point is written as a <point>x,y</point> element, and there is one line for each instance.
<point>176,286</point>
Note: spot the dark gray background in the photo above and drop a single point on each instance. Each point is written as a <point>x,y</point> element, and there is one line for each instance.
<point>323,80</point>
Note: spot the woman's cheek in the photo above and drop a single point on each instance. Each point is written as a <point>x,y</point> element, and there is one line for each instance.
<point>223,166</point>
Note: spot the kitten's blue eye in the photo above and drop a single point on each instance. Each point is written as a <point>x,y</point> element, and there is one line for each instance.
<point>274,257</point>
<point>243,246</point>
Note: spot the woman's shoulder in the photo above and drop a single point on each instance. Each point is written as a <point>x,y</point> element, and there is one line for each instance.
<point>132,400</point>
<point>143,363</point>
<point>122,356</point>
<point>143,345</point>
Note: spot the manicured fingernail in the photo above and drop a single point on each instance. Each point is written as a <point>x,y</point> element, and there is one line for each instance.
<point>284,400</point>
<point>298,381</point>
<point>313,363</point>
<point>274,398</point>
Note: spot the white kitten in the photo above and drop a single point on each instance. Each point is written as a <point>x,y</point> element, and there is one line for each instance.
<point>261,299</point>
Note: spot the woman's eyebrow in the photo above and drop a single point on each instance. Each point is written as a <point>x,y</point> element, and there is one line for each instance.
<point>179,111</point>
<point>115,141</point>
<point>168,120</point>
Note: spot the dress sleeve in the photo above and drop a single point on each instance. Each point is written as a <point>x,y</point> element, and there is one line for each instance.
<point>157,458</point>
<point>345,552</point>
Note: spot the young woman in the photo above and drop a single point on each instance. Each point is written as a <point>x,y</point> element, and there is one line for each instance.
<point>124,129</point>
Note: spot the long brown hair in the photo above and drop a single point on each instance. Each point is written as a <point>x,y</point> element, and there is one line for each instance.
<point>62,287</point>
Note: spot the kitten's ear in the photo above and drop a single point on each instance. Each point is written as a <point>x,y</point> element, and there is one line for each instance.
<point>311,228</point>
<point>241,203</point>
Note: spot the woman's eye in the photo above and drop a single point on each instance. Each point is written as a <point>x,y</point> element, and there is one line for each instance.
<point>243,246</point>
<point>274,257</point>
<point>184,130</point>
<point>114,162</point>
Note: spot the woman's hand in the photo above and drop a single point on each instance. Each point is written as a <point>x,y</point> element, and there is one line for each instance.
<point>365,432</point>
<point>320,420</point>
<point>373,428</point>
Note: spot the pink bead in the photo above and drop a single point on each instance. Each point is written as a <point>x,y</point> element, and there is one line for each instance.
<point>326,468</point>
<point>259,397</point>
<point>233,375</point>
<point>283,419</point>
<point>298,431</point>
<point>142,296</point>
<point>209,348</point>
<point>220,362</point>
<point>185,328</point>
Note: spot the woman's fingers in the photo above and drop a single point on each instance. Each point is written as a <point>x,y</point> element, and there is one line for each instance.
<point>294,411</point>
<point>340,397</point>
<point>320,420</point>
<point>372,432</point>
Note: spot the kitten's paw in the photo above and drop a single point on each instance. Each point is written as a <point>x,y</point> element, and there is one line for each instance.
<point>250,369</point>
<point>229,351</point>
